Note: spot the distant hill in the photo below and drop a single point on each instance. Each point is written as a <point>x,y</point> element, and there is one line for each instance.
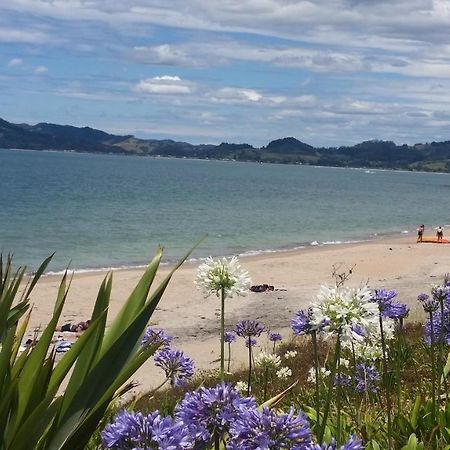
<point>434,156</point>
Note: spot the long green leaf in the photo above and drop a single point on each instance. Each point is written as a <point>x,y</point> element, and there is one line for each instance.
<point>37,356</point>
<point>135,301</point>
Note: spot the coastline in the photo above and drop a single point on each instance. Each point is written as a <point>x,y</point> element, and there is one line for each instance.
<point>394,263</point>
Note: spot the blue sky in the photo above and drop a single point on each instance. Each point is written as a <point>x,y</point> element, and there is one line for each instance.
<point>328,72</point>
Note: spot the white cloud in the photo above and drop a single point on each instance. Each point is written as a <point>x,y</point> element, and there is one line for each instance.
<point>164,85</point>
<point>15,62</point>
<point>40,70</point>
<point>22,36</point>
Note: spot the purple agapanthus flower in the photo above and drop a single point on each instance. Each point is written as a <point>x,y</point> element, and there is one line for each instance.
<point>211,410</point>
<point>429,305</point>
<point>250,342</point>
<point>254,429</point>
<point>354,443</point>
<point>342,380</point>
<point>423,297</point>
<point>274,336</point>
<point>229,337</point>
<point>249,328</point>
<point>396,311</point>
<point>441,294</point>
<point>178,367</point>
<point>301,323</point>
<point>133,430</point>
<point>383,297</point>
<point>154,336</point>
<point>441,329</point>
<point>366,378</point>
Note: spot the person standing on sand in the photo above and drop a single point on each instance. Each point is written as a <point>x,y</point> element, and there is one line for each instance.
<point>420,231</point>
<point>439,234</point>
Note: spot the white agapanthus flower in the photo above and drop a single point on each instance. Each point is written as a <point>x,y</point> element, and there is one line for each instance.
<point>284,373</point>
<point>312,374</point>
<point>290,354</point>
<point>216,274</point>
<point>370,349</point>
<point>268,360</point>
<point>241,386</point>
<point>345,310</point>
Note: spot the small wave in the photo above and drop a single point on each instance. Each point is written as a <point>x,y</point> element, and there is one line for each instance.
<point>405,232</point>
<point>314,243</point>
<point>96,270</point>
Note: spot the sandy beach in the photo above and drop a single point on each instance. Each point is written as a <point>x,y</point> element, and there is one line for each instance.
<point>193,321</point>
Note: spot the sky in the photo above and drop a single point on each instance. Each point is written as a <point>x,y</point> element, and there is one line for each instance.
<point>328,72</point>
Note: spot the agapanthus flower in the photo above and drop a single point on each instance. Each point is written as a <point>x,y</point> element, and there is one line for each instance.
<point>396,311</point>
<point>441,293</point>
<point>241,386</point>
<point>284,373</point>
<point>423,297</point>
<point>213,276</point>
<point>254,430</point>
<point>130,430</point>
<point>324,373</point>
<point>340,310</point>
<point>210,411</point>
<point>249,328</point>
<point>341,380</point>
<point>383,297</point>
<point>301,323</point>
<point>441,329</point>
<point>290,354</point>
<point>430,305</point>
<point>229,337</point>
<point>370,348</point>
<point>274,336</point>
<point>154,336</point>
<point>367,378</point>
<point>250,342</point>
<point>177,367</point>
<point>268,360</point>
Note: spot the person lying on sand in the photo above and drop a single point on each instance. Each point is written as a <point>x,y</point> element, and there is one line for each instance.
<point>73,327</point>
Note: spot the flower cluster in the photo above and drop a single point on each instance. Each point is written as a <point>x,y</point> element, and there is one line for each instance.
<point>130,430</point>
<point>388,307</point>
<point>274,336</point>
<point>215,276</point>
<point>367,378</point>
<point>348,312</point>
<point>213,414</point>
<point>154,336</point>
<point>210,411</point>
<point>268,361</point>
<point>178,368</point>
<point>249,328</point>
<point>229,337</point>
<point>254,430</point>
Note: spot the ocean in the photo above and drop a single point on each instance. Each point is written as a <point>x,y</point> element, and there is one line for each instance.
<point>107,211</point>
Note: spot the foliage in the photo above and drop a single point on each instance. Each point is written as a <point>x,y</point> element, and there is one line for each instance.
<point>33,413</point>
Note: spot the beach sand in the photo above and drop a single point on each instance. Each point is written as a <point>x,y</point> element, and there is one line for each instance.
<point>193,321</point>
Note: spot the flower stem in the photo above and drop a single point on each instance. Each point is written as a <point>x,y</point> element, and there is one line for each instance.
<point>249,367</point>
<point>433,370</point>
<point>229,356</point>
<point>266,378</point>
<point>316,367</point>
<point>338,403</point>
<point>387,383</point>
<point>337,356</point>
<point>222,333</point>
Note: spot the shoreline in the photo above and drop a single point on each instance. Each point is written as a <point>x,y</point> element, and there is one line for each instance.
<point>392,263</point>
<point>251,253</point>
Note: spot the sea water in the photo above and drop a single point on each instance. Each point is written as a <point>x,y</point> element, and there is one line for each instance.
<point>103,211</point>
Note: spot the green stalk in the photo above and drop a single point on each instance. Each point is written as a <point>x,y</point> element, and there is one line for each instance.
<point>337,356</point>
<point>266,377</point>
<point>338,403</point>
<point>249,366</point>
<point>441,354</point>
<point>316,367</point>
<point>229,357</point>
<point>397,366</point>
<point>433,370</point>
<point>386,382</point>
<point>222,333</point>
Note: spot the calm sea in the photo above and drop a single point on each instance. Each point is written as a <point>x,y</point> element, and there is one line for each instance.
<point>99,211</point>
